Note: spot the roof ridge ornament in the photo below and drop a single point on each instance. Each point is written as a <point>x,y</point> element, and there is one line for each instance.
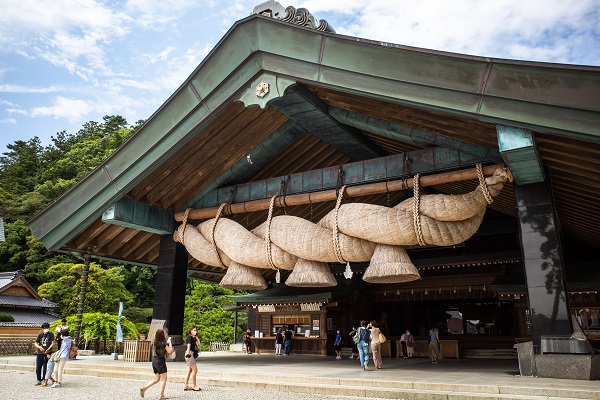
<point>298,16</point>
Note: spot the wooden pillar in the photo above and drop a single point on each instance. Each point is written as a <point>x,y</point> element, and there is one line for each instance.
<point>169,288</point>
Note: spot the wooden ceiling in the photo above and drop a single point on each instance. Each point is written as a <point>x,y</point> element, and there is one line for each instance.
<point>573,169</point>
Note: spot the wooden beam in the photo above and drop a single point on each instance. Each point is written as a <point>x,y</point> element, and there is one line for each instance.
<point>351,191</point>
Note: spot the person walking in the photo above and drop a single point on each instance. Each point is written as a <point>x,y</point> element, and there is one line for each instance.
<point>52,357</point>
<point>162,347</point>
<point>248,341</point>
<point>376,344</point>
<point>278,341</point>
<point>410,342</point>
<point>363,345</point>
<point>403,344</point>
<point>43,343</point>
<point>352,344</point>
<point>63,357</point>
<point>434,345</point>
<point>287,343</point>
<point>337,345</point>
<point>191,353</point>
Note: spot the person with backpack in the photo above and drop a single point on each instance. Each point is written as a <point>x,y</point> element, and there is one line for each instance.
<point>363,345</point>
<point>434,345</point>
<point>63,356</point>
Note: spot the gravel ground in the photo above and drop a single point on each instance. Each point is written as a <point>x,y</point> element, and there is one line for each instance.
<point>17,385</point>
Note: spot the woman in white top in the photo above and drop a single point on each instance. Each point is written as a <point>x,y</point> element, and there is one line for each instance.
<point>375,345</point>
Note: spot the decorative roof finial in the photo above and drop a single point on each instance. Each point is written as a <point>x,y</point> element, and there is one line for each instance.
<point>300,16</point>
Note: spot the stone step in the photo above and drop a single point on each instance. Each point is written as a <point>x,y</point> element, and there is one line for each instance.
<point>407,390</point>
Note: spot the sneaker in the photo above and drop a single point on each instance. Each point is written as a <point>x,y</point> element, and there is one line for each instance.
<point>56,385</point>
<point>351,357</point>
<point>38,383</point>
<point>366,367</point>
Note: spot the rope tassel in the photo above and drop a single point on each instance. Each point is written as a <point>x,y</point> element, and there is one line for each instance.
<point>278,277</point>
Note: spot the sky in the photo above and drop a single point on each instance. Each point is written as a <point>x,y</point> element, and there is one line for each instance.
<point>67,62</point>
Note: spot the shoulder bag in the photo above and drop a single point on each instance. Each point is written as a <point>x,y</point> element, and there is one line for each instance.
<point>382,338</point>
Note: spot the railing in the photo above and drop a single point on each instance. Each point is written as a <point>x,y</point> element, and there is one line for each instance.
<point>219,346</point>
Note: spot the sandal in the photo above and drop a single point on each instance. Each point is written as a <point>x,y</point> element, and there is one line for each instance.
<point>196,389</point>
<point>187,388</point>
<point>142,392</point>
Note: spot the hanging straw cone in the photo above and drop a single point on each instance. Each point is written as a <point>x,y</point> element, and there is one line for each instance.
<point>241,276</point>
<point>390,264</point>
<point>311,274</point>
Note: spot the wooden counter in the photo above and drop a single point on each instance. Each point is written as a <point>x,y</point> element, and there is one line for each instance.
<point>300,345</point>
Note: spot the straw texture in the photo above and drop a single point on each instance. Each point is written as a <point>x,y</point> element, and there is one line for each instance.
<point>366,232</point>
<point>390,264</point>
<point>240,276</point>
<point>311,274</point>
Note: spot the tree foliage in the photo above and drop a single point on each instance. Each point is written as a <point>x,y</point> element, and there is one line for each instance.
<point>204,309</point>
<point>100,326</point>
<point>105,288</point>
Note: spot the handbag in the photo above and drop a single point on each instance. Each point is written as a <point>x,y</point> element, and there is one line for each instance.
<point>73,351</point>
<point>172,355</point>
<point>382,338</point>
<point>356,338</point>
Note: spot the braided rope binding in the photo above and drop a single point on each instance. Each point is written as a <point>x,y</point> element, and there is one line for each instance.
<point>180,232</point>
<point>268,234</point>
<point>336,238</point>
<point>416,216</point>
<point>483,185</point>
<point>212,235</point>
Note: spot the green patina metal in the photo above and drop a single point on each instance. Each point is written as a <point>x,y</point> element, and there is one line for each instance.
<point>409,135</point>
<point>265,89</point>
<point>311,113</point>
<point>384,168</point>
<point>520,154</point>
<point>550,101</point>
<point>140,216</point>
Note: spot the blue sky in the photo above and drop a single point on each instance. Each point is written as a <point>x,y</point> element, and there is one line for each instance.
<point>66,62</point>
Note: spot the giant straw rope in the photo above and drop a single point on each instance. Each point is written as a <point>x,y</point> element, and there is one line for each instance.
<point>351,232</point>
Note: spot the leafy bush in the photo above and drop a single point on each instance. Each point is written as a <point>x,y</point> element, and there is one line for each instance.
<point>137,314</point>
<point>4,317</point>
<point>100,326</point>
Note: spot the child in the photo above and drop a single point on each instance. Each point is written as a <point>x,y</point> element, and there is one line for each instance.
<point>52,357</point>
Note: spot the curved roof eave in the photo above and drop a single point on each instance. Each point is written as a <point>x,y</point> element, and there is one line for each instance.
<point>546,97</point>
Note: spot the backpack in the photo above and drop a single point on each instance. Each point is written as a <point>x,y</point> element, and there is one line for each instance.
<point>356,338</point>
<point>73,351</point>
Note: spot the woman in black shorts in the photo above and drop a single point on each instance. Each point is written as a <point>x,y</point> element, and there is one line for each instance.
<point>162,347</point>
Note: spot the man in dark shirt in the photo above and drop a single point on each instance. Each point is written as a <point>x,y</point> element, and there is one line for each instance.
<point>43,344</point>
<point>287,344</point>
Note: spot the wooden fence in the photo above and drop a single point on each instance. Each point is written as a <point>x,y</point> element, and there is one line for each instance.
<point>16,346</point>
<point>219,346</point>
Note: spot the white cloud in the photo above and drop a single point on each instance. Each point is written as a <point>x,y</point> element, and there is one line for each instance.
<point>72,110</point>
<point>11,121</point>
<point>533,30</point>
<point>11,88</point>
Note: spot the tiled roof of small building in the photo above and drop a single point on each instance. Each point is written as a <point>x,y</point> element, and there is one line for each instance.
<point>8,277</point>
<point>25,317</point>
<point>24,301</point>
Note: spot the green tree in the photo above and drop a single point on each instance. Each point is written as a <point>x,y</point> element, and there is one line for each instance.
<point>204,308</point>
<point>100,326</point>
<point>105,288</point>
<point>139,280</point>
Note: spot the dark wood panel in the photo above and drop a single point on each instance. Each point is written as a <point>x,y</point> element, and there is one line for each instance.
<point>461,128</point>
